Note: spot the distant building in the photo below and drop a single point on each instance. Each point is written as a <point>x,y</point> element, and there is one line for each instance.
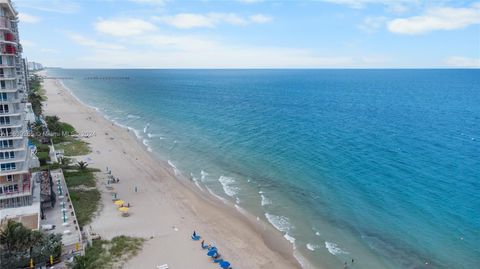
<point>33,66</point>
<point>18,197</point>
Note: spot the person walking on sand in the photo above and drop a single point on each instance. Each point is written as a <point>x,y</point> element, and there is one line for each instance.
<point>136,189</point>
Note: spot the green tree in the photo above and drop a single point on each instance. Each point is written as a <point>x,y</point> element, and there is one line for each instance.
<point>82,165</point>
<point>19,244</point>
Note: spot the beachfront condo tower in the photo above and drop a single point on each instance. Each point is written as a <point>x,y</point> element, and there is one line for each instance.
<point>15,178</point>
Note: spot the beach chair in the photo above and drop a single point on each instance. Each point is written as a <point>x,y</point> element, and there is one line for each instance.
<point>196,238</point>
<point>163,266</point>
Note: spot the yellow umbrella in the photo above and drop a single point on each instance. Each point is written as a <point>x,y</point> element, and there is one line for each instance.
<point>119,202</point>
<point>123,209</point>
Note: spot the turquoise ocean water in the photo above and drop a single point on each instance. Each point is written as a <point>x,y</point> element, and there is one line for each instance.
<point>382,166</point>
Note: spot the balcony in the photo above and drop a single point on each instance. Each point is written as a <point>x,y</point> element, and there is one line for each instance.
<point>9,49</point>
<point>8,89</point>
<point>24,188</point>
<point>10,100</point>
<point>5,23</point>
<point>8,76</point>
<point>21,167</point>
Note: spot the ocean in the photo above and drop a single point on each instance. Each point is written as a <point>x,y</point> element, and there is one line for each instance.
<point>379,166</point>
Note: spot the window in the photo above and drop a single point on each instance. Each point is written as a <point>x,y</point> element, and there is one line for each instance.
<point>3,96</point>
<point>7,155</point>
<point>9,178</point>
<point>3,109</point>
<point>2,83</point>
<point>4,120</point>
<point>8,166</point>
<point>10,188</point>
<point>5,131</point>
<point>6,143</point>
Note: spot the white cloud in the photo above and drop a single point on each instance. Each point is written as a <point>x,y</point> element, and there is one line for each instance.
<point>27,18</point>
<point>48,50</point>
<point>250,1</point>
<point>194,20</point>
<point>152,2</point>
<point>28,43</point>
<point>439,18</point>
<point>194,51</point>
<point>363,3</point>
<point>260,18</point>
<point>372,24</point>
<point>124,27</point>
<point>187,20</point>
<point>88,42</point>
<point>56,6</point>
<point>459,61</point>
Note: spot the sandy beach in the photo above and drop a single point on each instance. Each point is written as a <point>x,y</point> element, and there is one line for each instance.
<point>164,210</point>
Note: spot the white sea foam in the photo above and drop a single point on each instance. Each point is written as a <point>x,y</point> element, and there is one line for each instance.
<point>312,247</point>
<point>334,248</point>
<point>150,135</point>
<point>131,116</point>
<point>317,233</point>
<point>175,170</point>
<point>304,263</point>
<point>241,210</point>
<point>280,223</point>
<point>195,180</point>
<point>147,145</point>
<point>146,128</point>
<point>228,185</point>
<point>204,174</point>
<point>290,238</point>
<point>135,131</point>
<point>74,96</point>
<point>265,200</point>
<point>215,195</point>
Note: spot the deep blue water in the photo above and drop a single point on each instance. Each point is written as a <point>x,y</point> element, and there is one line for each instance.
<point>382,166</point>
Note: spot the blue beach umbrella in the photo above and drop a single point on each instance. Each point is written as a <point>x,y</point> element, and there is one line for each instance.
<point>212,253</point>
<point>224,264</point>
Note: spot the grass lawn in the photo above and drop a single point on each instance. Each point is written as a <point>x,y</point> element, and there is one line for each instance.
<point>85,197</point>
<point>73,147</point>
<point>75,178</point>
<point>86,203</point>
<point>104,254</point>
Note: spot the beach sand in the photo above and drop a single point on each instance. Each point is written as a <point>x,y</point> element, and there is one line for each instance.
<point>165,210</point>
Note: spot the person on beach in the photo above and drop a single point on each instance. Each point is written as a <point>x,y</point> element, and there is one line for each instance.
<point>135,188</point>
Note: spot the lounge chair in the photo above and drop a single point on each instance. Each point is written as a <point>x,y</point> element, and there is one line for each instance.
<point>163,266</point>
<point>196,238</point>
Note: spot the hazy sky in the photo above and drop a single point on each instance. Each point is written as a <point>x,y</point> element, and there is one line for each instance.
<point>251,33</point>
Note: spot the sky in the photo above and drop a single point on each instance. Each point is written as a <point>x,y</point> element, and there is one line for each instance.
<point>251,33</point>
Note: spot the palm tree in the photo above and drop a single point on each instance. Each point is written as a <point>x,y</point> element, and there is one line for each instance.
<point>82,165</point>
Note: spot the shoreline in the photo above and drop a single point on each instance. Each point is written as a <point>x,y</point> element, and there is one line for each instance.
<point>254,244</point>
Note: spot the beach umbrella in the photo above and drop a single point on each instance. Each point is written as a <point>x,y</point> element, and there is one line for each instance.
<point>224,264</point>
<point>212,253</point>
<point>123,209</point>
<point>119,202</point>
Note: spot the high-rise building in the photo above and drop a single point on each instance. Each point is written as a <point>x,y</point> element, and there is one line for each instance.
<point>16,186</point>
